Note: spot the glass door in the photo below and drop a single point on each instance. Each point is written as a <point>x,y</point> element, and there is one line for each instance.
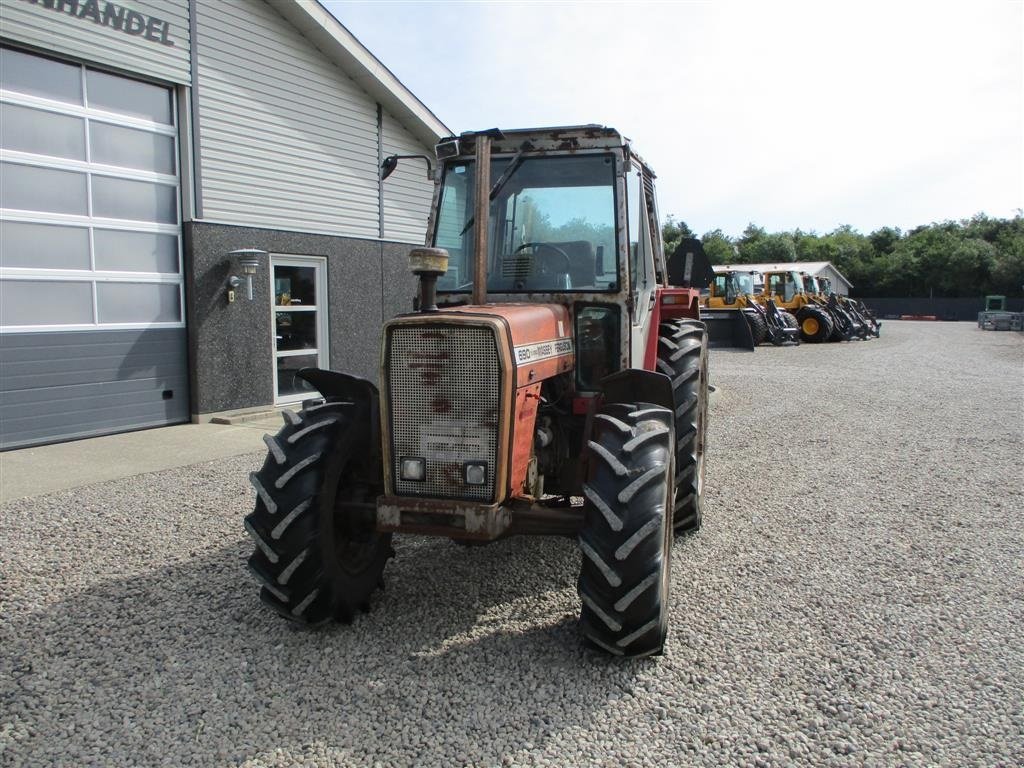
<point>299,322</point>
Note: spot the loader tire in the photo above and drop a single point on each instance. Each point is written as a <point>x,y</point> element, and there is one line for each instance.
<point>837,333</point>
<point>626,540</point>
<point>683,357</point>
<point>318,556</point>
<point>758,326</point>
<point>815,325</point>
<point>789,319</point>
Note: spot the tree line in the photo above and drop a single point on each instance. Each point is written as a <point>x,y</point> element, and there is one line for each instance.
<point>966,258</point>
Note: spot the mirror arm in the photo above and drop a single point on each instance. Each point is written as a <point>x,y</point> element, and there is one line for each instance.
<point>391,162</point>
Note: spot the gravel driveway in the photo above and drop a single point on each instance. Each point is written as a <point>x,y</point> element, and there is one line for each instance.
<point>855,597</point>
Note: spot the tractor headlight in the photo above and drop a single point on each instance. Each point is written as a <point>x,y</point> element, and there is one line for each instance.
<point>474,472</point>
<point>414,469</point>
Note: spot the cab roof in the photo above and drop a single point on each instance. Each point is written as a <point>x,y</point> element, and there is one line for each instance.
<point>562,138</point>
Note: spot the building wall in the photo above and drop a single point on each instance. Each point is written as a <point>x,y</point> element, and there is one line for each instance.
<point>288,139</point>
<point>287,153</point>
<point>838,285</point>
<point>407,191</point>
<point>136,41</point>
<point>231,359</point>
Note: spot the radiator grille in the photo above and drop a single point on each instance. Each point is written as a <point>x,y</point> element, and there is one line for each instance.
<point>444,389</point>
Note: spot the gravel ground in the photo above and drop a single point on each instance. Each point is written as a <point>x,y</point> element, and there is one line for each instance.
<point>854,598</point>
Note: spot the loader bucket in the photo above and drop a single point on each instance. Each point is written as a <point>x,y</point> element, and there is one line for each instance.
<point>727,328</point>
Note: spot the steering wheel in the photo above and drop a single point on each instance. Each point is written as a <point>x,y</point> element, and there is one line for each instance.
<point>546,266</point>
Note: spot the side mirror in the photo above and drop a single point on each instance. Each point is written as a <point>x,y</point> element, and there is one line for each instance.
<point>388,166</point>
<point>391,162</point>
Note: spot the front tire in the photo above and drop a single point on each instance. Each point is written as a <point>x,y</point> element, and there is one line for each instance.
<point>626,539</point>
<point>318,556</point>
<point>683,357</point>
<point>758,326</point>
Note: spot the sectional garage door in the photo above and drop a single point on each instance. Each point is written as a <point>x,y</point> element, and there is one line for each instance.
<point>92,331</point>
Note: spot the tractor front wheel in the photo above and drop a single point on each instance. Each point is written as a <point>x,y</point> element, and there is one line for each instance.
<point>626,539</point>
<point>318,556</point>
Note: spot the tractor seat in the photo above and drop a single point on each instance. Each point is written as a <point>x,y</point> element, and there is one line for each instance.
<point>582,262</point>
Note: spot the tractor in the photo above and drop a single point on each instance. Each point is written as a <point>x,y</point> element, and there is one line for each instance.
<point>786,288</point>
<point>870,327</point>
<point>551,380</point>
<point>735,318</point>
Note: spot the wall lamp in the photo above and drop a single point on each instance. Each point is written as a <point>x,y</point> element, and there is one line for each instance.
<point>249,260</point>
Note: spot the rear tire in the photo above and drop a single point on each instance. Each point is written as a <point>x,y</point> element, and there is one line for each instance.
<point>815,325</point>
<point>683,357</point>
<point>626,539</point>
<point>318,555</point>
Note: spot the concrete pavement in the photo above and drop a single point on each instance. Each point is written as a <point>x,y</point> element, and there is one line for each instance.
<point>58,467</point>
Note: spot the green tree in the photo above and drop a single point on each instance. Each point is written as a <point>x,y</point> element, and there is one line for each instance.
<point>718,247</point>
<point>673,232</point>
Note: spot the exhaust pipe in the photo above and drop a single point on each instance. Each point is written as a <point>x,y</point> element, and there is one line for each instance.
<point>428,264</point>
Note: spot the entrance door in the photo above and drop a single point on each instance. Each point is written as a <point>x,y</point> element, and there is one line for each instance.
<point>299,322</point>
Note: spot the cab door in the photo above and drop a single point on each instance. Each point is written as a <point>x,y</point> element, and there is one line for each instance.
<point>642,278</point>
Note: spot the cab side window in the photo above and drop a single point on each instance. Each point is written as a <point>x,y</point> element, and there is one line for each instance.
<point>634,205</point>
<point>641,261</point>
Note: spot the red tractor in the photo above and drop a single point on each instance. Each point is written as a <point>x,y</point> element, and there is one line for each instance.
<point>553,380</point>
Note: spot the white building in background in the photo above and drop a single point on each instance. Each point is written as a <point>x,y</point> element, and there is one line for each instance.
<point>143,142</point>
<point>840,284</point>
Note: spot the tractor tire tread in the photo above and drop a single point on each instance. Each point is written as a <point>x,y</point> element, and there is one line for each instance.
<point>623,609</point>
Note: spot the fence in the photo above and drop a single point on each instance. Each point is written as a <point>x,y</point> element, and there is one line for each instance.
<point>940,309</point>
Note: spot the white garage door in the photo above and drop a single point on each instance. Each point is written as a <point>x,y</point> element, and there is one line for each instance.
<point>92,326</point>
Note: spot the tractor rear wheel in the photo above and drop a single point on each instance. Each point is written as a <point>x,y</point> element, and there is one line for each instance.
<point>815,325</point>
<point>683,357</point>
<point>318,555</point>
<point>758,326</point>
<point>626,539</point>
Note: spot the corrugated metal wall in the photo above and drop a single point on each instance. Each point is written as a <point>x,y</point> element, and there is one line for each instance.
<point>289,141</point>
<point>71,27</point>
<point>407,192</point>
<point>59,386</point>
<point>837,283</point>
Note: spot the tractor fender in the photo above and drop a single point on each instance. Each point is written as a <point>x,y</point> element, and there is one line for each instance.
<point>635,385</point>
<point>337,386</point>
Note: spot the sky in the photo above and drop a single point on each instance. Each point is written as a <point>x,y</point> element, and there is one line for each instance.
<point>806,115</point>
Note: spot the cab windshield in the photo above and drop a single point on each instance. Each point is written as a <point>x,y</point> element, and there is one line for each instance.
<point>732,284</point>
<point>785,284</point>
<point>552,225</point>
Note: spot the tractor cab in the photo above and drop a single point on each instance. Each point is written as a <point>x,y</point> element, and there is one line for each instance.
<point>730,288</point>
<point>811,285</point>
<point>783,286</point>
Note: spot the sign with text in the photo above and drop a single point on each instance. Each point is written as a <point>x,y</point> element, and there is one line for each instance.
<point>112,15</point>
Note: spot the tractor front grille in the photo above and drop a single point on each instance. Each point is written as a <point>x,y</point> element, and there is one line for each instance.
<point>444,400</point>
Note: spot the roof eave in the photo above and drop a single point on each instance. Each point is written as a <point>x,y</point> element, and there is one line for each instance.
<point>341,46</point>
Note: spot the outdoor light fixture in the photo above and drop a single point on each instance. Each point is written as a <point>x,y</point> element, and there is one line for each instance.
<point>249,260</point>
